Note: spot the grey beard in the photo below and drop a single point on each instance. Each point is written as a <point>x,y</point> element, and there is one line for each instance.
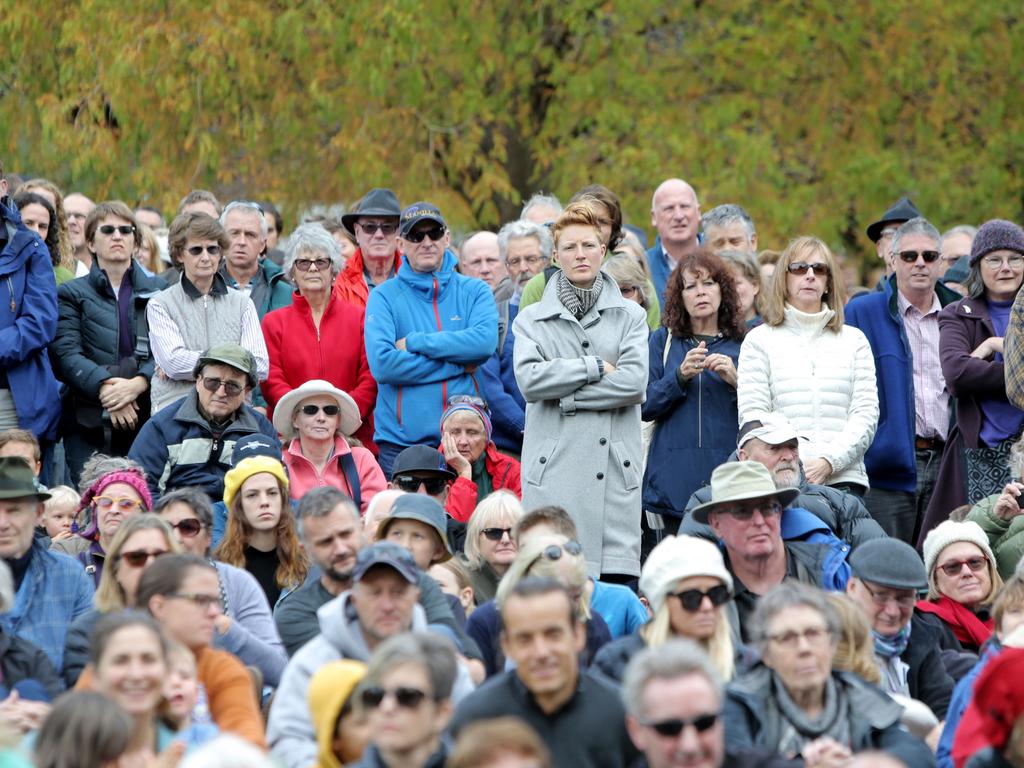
<point>793,482</point>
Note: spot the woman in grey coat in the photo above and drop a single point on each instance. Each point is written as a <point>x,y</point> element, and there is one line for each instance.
<point>581,364</point>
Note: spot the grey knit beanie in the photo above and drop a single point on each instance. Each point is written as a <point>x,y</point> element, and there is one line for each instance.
<point>997,235</point>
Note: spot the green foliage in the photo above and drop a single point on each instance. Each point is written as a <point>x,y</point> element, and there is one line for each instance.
<point>814,115</point>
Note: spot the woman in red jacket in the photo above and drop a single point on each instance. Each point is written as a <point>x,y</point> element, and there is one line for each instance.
<point>317,336</point>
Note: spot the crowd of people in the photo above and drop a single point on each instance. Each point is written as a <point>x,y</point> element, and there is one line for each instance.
<point>381,494</point>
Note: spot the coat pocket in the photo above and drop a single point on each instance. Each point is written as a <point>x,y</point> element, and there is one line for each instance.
<point>540,461</point>
<point>628,465</point>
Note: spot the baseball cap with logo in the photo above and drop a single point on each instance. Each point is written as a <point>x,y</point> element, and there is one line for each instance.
<point>418,212</point>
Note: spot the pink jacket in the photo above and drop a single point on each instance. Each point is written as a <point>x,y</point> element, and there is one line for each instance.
<point>303,476</point>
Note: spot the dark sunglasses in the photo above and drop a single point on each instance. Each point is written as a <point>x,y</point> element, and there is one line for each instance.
<point>139,557</point>
<point>231,389</point>
<point>692,599</point>
<point>674,727</point>
<point>313,410</point>
<point>974,563</point>
<point>188,527</point>
<point>406,697</point>
<point>495,534</point>
<point>197,250</point>
<point>371,228</point>
<point>554,552</point>
<point>801,267</point>
<point>410,484</point>
<point>911,256</point>
<point>109,229</point>
<point>304,265</point>
<point>435,234</point>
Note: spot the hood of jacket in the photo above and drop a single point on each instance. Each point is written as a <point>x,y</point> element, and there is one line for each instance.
<point>329,690</point>
<point>339,626</point>
<point>423,283</point>
<point>19,239</point>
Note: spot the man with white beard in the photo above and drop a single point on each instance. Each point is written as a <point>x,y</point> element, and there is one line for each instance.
<point>774,442</point>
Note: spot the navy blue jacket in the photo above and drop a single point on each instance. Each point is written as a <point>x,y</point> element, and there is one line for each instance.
<point>891,460</point>
<point>28,323</point>
<point>505,401</point>
<point>660,270</point>
<point>696,424</point>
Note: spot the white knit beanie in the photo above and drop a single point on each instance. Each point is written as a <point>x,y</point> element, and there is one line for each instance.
<point>950,532</point>
<point>679,557</point>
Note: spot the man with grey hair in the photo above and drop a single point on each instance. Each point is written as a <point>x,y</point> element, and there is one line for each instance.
<point>480,257</point>
<point>901,323</point>
<point>243,266</point>
<point>77,207</point>
<point>955,245</point>
<point>541,209</point>
<point>525,248</point>
<point>729,228</point>
<point>675,213</point>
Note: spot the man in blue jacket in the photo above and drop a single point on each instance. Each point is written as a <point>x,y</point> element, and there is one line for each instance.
<point>675,213</point>
<point>901,323</point>
<point>426,332</point>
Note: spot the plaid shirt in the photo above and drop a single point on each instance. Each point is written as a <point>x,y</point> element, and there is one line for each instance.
<point>931,399</point>
<point>1013,353</point>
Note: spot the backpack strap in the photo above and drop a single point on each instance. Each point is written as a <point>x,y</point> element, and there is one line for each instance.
<point>348,466</point>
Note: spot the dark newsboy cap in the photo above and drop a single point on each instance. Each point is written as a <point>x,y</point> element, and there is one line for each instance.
<point>889,562</point>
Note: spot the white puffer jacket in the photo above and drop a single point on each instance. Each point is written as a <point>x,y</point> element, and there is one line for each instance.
<point>822,381</point>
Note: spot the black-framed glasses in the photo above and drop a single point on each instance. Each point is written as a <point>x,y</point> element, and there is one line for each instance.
<point>109,229</point>
<point>231,389</point>
<point>496,534</point>
<point>434,233</point>
<point>801,267</point>
<point>411,484</point>
<point>911,256</point>
<point>304,265</point>
<point>555,551</point>
<point>197,250</point>
<point>672,728</point>
<point>404,696</point>
<point>313,410</point>
<point>189,527</point>
<point>198,599</point>
<point>387,228</point>
<point>692,599</point>
<point>954,567</point>
<point>139,557</point>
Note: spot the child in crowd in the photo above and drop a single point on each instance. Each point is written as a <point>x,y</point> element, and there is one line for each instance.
<point>58,512</point>
<point>187,710</point>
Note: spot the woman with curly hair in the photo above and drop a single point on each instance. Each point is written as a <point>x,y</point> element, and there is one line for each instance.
<point>691,389</point>
<point>52,194</point>
<point>261,535</point>
<point>38,215</point>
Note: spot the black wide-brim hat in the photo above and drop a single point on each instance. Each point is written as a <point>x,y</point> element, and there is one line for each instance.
<point>376,202</point>
<point>900,211</point>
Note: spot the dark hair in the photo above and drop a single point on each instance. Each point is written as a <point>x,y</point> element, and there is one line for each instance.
<point>9,436</point>
<point>195,498</point>
<point>165,575</point>
<point>199,226</point>
<point>111,208</point>
<point>552,515</point>
<point>199,196</point>
<point>112,623</point>
<point>610,201</point>
<point>320,502</point>
<point>151,209</point>
<point>269,209</point>
<point>83,730</point>
<point>21,199</point>
<point>675,317</point>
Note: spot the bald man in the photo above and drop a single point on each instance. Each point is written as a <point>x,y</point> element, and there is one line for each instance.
<point>480,257</point>
<point>675,213</point>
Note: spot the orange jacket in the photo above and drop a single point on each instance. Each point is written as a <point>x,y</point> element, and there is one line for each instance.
<point>350,285</point>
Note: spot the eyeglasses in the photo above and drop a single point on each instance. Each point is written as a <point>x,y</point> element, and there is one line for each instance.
<point>404,696</point>
<point>188,527</point>
<point>801,267</point>
<point>954,567</point>
<point>304,265</point>
<point>533,261</point>
<point>479,402</point>
<point>675,726</point>
<point>123,503</point>
<point>1016,261</point>
<point>435,234</point>
<point>911,256</point>
<point>791,639</point>
<point>882,599</point>
<point>197,250</point>
<point>589,248</point>
<point>411,484</point>
<point>139,557</point>
<point>693,599</point>
<point>197,598</point>
<point>767,509</point>
<point>554,552</point>
<point>231,389</point>
<point>313,410</point>
<point>496,534</point>
<point>389,228</point>
<point>76,216</point>
<point>109,229</point>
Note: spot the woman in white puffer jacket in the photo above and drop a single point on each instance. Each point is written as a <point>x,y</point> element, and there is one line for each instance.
<point>804,363</point>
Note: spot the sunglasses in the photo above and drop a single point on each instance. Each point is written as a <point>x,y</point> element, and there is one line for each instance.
<point>671,728</point>
<point>432,485</point>
<point>473,400</point>
<point>109,229</point>
<point>304,265</point>
<point>231,389</point>
<point>188,527</point>
<point>197,598</point>
<point>692,599</point>
<point>139,557</point>
<point>371,228</point>
<point>911,256</point>
<point>313,410</point>
<point>954,567</point>
<point>554,552</point>
<point>435,234</point>
<point>801,267</point>
<point>496,534</point>
<point>406,697</point>
<point>197,250</point>
<point>123,503</point>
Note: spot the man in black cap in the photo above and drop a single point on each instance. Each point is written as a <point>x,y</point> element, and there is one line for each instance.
<point>374,225</point>
<point>422,469</point>
<point>426,333</point>
<point>887,577</point>
<point>880,232</point>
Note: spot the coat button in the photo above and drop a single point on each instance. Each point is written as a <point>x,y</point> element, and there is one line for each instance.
<point>600,475</point>
<point>603,441</point>
<point>625,463</point>
<point>543,459</point>
<point>586,344</point>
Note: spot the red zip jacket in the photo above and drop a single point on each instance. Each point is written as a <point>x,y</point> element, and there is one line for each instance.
<point>504,472</point>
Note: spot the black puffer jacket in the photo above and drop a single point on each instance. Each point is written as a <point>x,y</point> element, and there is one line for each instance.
<point>21,660</point>
<point>84,353</point>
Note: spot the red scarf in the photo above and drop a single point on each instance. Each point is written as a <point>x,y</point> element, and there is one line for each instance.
<point>968,628</point>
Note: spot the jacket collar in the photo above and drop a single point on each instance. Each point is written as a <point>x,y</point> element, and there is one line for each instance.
<point>976,309</point>
<point>219,287</point>
<point>188,411</point>
<point>355,266</point>
<point>423,282</point>
<point>549,307</point>
<point>946,295</point>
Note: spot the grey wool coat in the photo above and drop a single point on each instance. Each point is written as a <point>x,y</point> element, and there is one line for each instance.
<point>582,448</point>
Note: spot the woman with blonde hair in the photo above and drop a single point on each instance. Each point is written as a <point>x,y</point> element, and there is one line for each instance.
<point>490,548</point>
<point>805,363</point>
<point>855,649</point>
<point>688,588</point>
<point>633,283</point>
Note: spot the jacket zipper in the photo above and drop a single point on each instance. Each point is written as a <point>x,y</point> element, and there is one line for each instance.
<point>437,319</point>
<point>700,410</point>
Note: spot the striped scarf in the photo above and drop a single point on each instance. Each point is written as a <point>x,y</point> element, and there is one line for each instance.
<point>578,300</point>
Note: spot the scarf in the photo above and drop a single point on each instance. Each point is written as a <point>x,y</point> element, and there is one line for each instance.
<point>895,671</point>
<point>796,729</point>
<point>971,631</point>
<point>578,300</point>
<point>484,485</point>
